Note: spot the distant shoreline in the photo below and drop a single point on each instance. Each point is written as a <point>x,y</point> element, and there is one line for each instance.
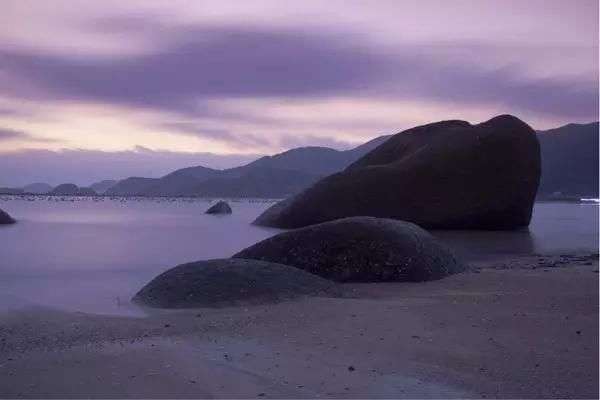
<point>140,197</point>
<point>541,199</point>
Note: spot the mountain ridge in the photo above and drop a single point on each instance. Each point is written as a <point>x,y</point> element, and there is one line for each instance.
<point>569,168</point>
<point>278,175</point>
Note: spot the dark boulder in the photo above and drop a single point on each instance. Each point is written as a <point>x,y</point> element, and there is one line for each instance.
<point>65,189</point>
<point>220,208</point>
<point>5,219</point>
<point>445,175</point>
<point>231,282</point>
<point>360,249</point>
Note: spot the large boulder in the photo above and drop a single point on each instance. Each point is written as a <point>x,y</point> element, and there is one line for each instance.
<point>360,249</point>
<point>230,282</point>
<point>220,208</point>
<point>5,219</point>
<point>445,175</point>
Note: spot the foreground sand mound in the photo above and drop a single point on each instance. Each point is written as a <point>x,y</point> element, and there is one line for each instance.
<point>445,175</point>
<point>231,282</point>
<point>5,219</point>
<point>360,249</point>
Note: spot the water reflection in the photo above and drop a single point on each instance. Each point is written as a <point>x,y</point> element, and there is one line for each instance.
<point>484,244</point>
<point>555,228</point>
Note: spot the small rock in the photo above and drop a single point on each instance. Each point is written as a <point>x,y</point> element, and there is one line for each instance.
<point>220,208</point>
<point>351,368</point>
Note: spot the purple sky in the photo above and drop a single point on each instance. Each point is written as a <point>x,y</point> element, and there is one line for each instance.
<point>106,88</point>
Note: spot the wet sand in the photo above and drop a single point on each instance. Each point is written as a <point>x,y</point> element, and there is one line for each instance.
<point>519,328</point>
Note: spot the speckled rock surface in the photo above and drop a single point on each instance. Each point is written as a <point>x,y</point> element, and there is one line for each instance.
<point>231,282</point>
<point>360,249</point>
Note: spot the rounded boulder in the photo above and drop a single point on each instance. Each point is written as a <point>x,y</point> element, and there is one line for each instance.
<point>360,249</point>
<point>231,282</point>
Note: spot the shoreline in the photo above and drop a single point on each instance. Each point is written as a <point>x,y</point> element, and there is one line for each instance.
<point>540,199</point>
<point>507,328</point>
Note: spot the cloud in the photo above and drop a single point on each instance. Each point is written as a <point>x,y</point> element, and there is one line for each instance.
<point>196,65</point>
<point>506,87</point>
<point>219,134</point>
<point>8,111</point>
<point>9,134</point>
<point>191,69</point>
<point>210,63</point>
<point>12,134</point>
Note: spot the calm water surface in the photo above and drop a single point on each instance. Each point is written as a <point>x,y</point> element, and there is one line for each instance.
<point>93,255</point>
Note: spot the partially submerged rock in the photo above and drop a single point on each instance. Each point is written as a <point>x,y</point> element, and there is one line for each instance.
<point>360,249</point>
<point>230,282</point>
<point>445,175</point>
<point>222,207</point>
<point>6,219</point>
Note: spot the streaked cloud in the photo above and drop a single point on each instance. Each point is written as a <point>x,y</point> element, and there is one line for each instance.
<point>202,64</point>
<point>12,134</point>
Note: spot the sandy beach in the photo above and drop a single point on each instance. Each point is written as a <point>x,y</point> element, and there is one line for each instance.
<point>520,328</point>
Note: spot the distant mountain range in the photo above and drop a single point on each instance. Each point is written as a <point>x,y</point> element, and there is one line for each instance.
<point>38,188</point>
<point>569,165</point>
<point>274,176</point>
<point>570,160</point>
<point>102,186</point>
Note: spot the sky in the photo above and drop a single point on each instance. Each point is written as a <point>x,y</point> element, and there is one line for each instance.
<point>105,89</point>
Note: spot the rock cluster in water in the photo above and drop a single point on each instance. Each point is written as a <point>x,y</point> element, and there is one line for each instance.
<point>445,175</point>
<point>231,282</point>
<point>222,207</point>
<point>352,226</point>
<point>360,249</point>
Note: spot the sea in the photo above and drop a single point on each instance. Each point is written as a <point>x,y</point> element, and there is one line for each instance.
<point>92,254</point>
